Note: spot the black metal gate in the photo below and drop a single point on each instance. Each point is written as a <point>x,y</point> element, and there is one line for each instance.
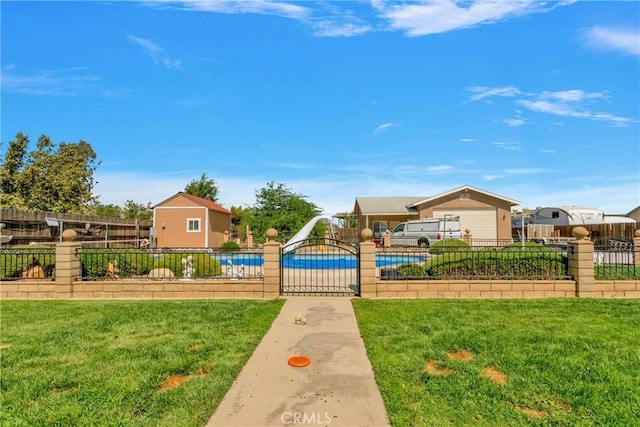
<point>320,267</point>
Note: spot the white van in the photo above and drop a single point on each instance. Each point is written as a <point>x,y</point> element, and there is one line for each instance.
<point>424,232</point>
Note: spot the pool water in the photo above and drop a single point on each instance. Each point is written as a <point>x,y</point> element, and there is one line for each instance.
<point>319,262</point>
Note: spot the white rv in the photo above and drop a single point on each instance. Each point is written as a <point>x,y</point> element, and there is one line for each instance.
<point>572,215</point>
<point>567,215</point>
<point>424,232</point>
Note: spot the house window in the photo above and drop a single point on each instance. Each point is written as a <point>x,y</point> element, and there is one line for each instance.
<point>465,196</point>
<point>379,227</point>
<point>193,225</point>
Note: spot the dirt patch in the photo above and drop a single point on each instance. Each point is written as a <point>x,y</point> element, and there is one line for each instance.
<point>175,381</point>
<point>462,355</point>
<point>431,368</point>
<point>533,413</point>
<point>4,346</point>
<point>494,375</point>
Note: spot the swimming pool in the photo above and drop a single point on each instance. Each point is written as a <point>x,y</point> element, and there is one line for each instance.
<point>316,261</point>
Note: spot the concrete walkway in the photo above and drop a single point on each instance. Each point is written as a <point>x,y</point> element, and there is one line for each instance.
<point>336,389</point>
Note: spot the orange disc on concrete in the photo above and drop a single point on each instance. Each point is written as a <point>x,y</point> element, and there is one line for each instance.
<point>299,361</point>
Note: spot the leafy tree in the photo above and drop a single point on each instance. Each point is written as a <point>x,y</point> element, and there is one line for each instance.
<point>13,164</point>
<point>204,187</point>
<point>135,210</point>
<point>110,210</point>
<point>53,177</point>
<point>239,216</point>
<point>277,206</point>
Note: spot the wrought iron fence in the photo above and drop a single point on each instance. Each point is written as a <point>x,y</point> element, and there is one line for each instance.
<point>617,261</point>
<point>27,263</point>
<point>169,263</point>
<point>513,261</point>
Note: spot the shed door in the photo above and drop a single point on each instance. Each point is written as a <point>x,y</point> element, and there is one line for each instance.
<point>483,223</point>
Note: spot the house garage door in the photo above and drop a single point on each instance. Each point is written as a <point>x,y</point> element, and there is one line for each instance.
<point>483,223</point>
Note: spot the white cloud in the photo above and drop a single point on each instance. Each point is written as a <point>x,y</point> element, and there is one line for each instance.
<point>511,146</point>
<point>525,171</point>
<point>468,140</point>
<point>383,127</point>
<point>514,122</point>
<point>157,53</point>
<point>328,28</point>
<point>574,95</point>
<point>481,92</point>
<point>64,82</point>
<point>491,177</point>
<point>263,7</point>
<point>440,16</point>
<point>568,103</point>
<point>337,193</point>
<point>439,168</point>
<point>618,39</point>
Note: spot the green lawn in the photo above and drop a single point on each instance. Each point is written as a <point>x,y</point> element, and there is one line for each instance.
<point>563,362</point>
<point>120,363</point>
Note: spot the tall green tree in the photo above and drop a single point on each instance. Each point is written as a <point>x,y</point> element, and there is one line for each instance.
<point>279,207</point>
<point>12,166</point>
<point>135,210</point>
<point>204,187</point>
<point>110,210</point>
<point>52,177</point>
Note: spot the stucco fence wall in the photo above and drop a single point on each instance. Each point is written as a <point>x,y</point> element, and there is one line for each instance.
<point>68,269</point>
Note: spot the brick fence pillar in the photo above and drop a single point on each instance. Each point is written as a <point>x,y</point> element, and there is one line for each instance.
<point>68,264</point>
<point>271,266</point>
<point>636,249</point>
<point>368,287</point>
<point>581,264</point>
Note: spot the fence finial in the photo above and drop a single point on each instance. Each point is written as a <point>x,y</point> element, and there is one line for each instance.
<point>580,233</point>
<point>69,235</point>
<point>272,234</point>
<point>366,234</point>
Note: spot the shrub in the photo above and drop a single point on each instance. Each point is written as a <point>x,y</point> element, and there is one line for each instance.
<point>131,263</point>
<point>18,259</point>
<point>229,246</point>
<point>509,264</point>
<point>411,270</point>
<point>204,265</point>
<point>528,246</point>
<point>448,245</point>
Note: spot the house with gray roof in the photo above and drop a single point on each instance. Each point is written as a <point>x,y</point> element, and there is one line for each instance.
<point>486,215</point>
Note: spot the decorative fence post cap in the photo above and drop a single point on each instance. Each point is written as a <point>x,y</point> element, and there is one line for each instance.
<point>637,233</point>
<point>579,233</point>
<point>69,235</point>
<point>272,234</point>
<point>366,234</point>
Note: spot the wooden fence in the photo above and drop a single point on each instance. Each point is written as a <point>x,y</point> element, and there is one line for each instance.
<point>27,227</point>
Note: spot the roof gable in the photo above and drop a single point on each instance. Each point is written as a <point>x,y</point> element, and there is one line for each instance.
<point>512,202</point>
<point>206,203</point>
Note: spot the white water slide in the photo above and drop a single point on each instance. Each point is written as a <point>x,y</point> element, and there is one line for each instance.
<point>304,232</point>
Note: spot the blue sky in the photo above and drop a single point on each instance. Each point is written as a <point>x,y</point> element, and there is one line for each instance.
<point>535,101</point>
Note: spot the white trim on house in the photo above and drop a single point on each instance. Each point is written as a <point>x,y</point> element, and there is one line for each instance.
<point>195,221</point>
<point>464,188</point>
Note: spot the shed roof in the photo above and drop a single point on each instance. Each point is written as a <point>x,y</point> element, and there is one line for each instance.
<point>198,200</point>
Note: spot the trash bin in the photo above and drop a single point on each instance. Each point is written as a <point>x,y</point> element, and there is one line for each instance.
<point>388,273</point>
